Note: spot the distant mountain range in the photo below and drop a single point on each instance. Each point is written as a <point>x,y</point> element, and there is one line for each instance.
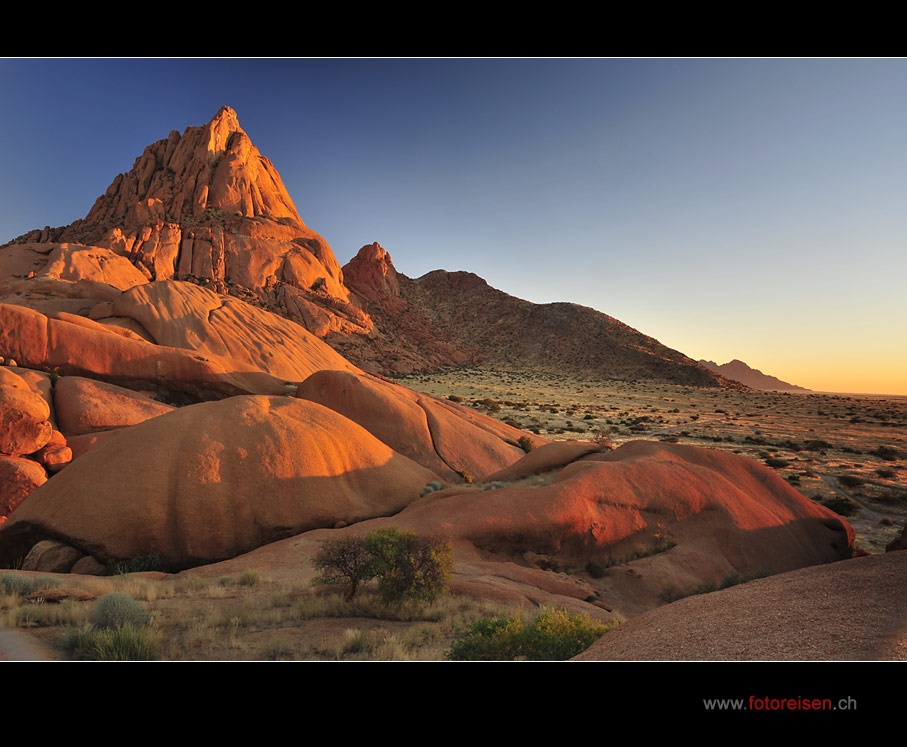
<point>752,377</point>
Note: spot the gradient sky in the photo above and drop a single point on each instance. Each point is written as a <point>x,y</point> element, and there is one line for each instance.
<point>750,209</point>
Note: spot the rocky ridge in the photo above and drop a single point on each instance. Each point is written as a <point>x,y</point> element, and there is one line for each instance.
<point>451,319</point>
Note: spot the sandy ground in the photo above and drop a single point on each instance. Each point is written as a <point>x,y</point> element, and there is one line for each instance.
<point>16,645</point>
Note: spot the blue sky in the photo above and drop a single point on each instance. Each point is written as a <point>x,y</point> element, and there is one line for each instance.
<point>747,209</point>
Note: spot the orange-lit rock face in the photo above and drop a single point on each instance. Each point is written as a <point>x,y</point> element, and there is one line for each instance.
<point>208,207</point>
<point>726,514</point>
<point>371,273</point>
<point>240,337</point>
<point>441,436</point>
<point>211,481</point>
<point>24,417</point>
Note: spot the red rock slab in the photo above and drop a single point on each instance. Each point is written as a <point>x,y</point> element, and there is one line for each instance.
<point>447,439</point>
<point>547,457</point>
<point>52,344</point>
<point>75,262</point>
<point>86,406</point>
<point>240,337</point>
<point>213,480</point>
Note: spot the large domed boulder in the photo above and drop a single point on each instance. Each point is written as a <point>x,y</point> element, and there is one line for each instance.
<point>213,480</point>
<point>653,520</point>
<point>451,440</point>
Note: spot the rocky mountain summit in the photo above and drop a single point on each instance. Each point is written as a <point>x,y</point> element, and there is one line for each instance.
<point>165,391</point>
<point>207,207</point>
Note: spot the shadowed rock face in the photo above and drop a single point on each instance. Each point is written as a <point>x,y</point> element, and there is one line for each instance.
<point>214,480</point>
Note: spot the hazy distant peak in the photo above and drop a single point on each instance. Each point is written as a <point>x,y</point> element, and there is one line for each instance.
<point>752,377</point>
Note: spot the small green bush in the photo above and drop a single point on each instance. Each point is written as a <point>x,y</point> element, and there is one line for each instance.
<point>431,487</point>
<point>139,564</point>
<point>116,609</point>
<point>408,566</point>
<point>558,635</point>
<point>842,506</point>
<point>249,578</point>
<point>555,635</point>
<point>525,443</point>
<point>126,642</point>
<point>490,639</point>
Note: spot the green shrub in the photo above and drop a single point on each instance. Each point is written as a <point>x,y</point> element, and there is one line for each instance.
<point>408,566</point>
<point>344,560</point>
<point>555,635</point>
<point>126,642</point>
<point>20,585</point>
<point>249,578</point>
<point>431,487</point>
<point>116,609</point>
<point>139,564</point>
<point>558,635</point>
<point>525,443</point>
<point>842,506</point>
<point>490,639</point>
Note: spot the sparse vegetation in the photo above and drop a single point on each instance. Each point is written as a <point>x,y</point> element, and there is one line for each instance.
<point>126,642</point>
<point>842,505</point>
<point>850,481</point>
<point>406,565</point>
<point>116,609</point>
<point>431,487</point>
<point>554,635</point>
<point>21,585</point>
<point>151,562</point>
<point>344,560</point>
